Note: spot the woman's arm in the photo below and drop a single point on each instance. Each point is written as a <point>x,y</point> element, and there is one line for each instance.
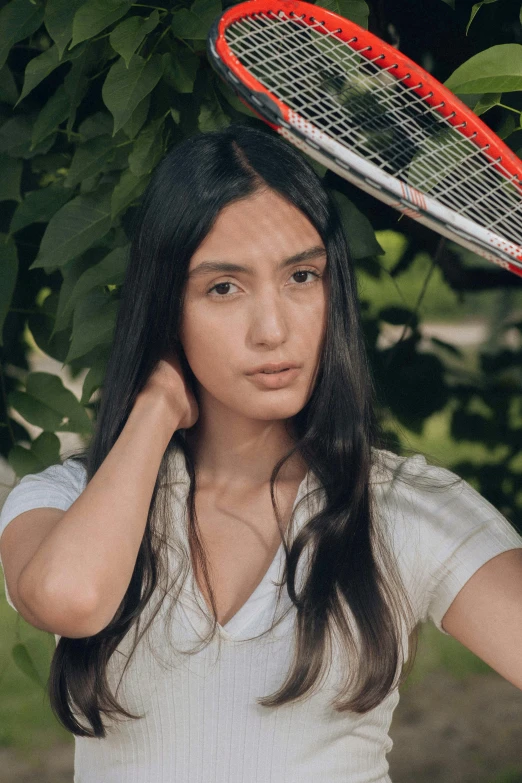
<point>486,615</point>
<point>89,556</point>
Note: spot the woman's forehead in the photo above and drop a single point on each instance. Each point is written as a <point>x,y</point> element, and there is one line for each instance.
<point>264,226</point>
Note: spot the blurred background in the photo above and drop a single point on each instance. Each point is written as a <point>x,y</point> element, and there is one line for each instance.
<point>443,326</point>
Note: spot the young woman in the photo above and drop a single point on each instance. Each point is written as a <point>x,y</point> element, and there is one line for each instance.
<point>235,569</point>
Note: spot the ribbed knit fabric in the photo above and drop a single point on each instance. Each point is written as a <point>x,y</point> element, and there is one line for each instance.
<point>202,722</point>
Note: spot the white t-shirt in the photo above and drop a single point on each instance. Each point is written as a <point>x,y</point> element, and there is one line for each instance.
<point>202,722</point>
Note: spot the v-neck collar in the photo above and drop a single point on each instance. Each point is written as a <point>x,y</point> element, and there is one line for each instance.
<point>266,591</point>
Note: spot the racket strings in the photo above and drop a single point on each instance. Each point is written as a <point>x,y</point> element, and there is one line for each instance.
<point>358,97</point>
<point>373,120</point>
<point>316,111</point>
<point>383,125</point>
<point>377,115</point>
<point>377,123</point>
<point>257,52</point>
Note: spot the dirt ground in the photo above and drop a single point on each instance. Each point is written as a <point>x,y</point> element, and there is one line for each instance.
<point>449,730</point>
<point>444,731</point>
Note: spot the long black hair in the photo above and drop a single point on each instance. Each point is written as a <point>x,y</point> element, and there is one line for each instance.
<point>336,433</point>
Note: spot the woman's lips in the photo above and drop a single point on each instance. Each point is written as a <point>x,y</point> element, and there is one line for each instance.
<point>275,380</point>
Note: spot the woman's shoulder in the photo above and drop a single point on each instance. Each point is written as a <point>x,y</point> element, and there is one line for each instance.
<point>55,486</point>
<point>423,492</point>
<point>70,473</point>
<point>421,506</point>
<point>441,529</point>
<point>387,467</point>
<point>431,509</point>
<point>414,480</point>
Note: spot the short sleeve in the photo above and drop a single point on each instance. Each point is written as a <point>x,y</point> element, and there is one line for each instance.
<point>443,531</point>
<point>57,486</point>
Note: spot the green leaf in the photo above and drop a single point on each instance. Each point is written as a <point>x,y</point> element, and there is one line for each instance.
<point>46,403</point>
<point>16,135</point>
<point>23,461</point>
<point>8,88</point>
<point>124,88</point>
<point>410,372</point>
<point>50,165</point>
<point>76,82</point>
<point>89,159</point>
<point>38,68</point>
<point>473,14</point>
<point>128,35</point>
<point>473,427</point>
<point>147,149</point>
<point>8,277</point>
<point>319,168</point>
<point>181,66</point>
<point>96,125</point>
<point>398,316</point>
<point>212,117</point>
<point>94,16</point>
<point>129,188</point>
<point>95,376</point>
<point>44,451</point>
<point>18,20</point>
<point>41,325</point>
<point>54,112</point>
<point>358,229</point>
<point>109,271</point>
<point>39,206</point>
<point>194,23</point>
<point>46,448</point>
<point>93,323</point>
<point>486,102</point>
<point>497,69</point>
<point>137,118</point>
<point>233,99</point>
<point>211,114</point>
<point>73,229</point>
<point>507,126</point>
<point>475,10</point>
<point>59,15</point>
<point>10,178</point>
<point>355,10</point>
<point>71,273</point>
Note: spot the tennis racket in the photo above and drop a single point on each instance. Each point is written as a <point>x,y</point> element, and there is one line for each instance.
<point>364,110</point>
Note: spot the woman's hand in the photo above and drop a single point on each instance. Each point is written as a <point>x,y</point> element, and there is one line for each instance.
<point>167,381</point>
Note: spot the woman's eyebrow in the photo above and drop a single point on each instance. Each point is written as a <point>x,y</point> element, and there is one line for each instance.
<point>225,266</point>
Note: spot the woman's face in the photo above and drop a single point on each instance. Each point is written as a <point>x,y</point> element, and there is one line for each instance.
<point>237,319</point>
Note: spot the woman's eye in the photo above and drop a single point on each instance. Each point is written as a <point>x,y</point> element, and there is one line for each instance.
<point>223,294</point>
<point>307,272</point>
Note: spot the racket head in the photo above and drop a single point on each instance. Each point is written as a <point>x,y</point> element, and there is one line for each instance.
<point>276,107</point>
